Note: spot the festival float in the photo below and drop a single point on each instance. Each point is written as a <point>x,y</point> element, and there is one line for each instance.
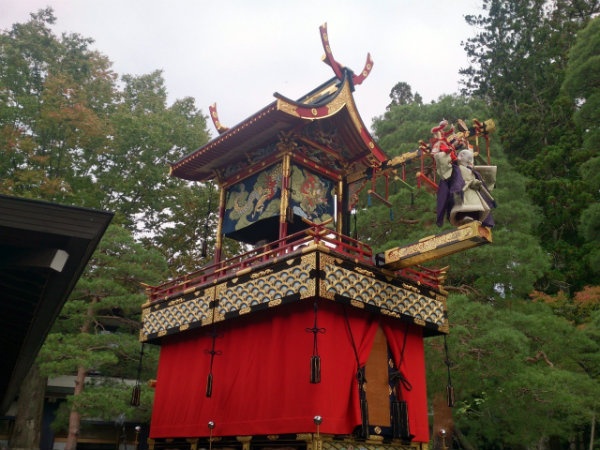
<point>308,340</point>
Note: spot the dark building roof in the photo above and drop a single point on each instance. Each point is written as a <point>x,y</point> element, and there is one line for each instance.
<point>44,248</point>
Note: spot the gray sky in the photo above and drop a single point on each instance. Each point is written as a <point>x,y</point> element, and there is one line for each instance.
<point>237,53</point>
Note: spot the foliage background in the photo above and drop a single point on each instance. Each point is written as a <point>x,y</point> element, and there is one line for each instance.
<point>524,312</point>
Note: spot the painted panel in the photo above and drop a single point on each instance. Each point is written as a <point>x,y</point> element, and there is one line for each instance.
<point>312,196</point>
<point>255,198</point>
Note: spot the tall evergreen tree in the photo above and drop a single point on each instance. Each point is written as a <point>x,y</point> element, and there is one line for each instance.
<point>519,56</point>
<point>163,211</point>
<point>96,334</point>
<point>55,95</point>
<point>402,94</point>
<point>69,135</point>
<point>515,384</point>
<point>507,353</point>
<point>582,86</point>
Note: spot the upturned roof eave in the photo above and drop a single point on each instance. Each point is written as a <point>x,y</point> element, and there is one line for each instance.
<point>323,102</point>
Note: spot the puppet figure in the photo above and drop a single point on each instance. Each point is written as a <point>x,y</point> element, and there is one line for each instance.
<point>462,196</point>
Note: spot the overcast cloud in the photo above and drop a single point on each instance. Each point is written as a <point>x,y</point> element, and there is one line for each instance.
<point>237,53</point>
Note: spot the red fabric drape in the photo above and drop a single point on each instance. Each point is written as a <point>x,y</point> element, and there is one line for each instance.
<point>406,345</point>
<point>261,374</point>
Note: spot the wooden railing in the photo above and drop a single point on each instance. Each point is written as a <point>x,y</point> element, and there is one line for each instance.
<point>294,243</point>
<point>422,275</point>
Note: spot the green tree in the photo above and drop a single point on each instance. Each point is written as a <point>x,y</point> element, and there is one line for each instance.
<point>402,94</point>
<point>582,86</point>
<point>69,135</point>
<point>148,135</point>
<point>515,384</point>
<point>96,334</point>
<point>53,111</point>
<point>519,56</point>
<point>189,239</point>
<point>507,269</point>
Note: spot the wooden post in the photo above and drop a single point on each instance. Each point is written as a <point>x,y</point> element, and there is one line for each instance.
<point>219,238</point>
<point>285,194</point>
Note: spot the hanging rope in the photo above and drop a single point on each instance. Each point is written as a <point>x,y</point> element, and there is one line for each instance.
<point>361,378</point>
<point>400,422</point>
<point>212,352</point>
<point>315,359</point>
<point>137,389</point>
<point>449,387</point>
<point>398,375</point>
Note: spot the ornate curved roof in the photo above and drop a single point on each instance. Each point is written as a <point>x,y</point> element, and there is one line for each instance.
<point>331,107</point>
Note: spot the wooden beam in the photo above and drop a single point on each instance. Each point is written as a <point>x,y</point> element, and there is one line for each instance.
<point>437,246</point>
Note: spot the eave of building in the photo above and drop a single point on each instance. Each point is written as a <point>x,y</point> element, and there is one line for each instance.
<point>331,101</point>
<point>44,248</point>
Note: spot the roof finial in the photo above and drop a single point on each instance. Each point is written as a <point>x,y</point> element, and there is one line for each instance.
<point>214,115</point>
<point>336,66</point>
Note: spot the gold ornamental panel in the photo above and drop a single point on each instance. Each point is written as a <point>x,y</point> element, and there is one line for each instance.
<point>437,246</point>
<point>295,279</point>
<point>284,281</point>
<point>348,444</point>
<point>177,314</point>
<point>302,441</point>
<point>269,286</point>
<point>366,288</point>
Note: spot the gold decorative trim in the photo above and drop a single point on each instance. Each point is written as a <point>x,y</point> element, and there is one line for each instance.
<point>372,443</point>
<point>311,441</point>
<point>433,247</point>
<point>262,273</point>
<point>293,279</point>
<point>362,288</point>
<point>341,100</point>
<point>287,108</point>
<point>238,295</point>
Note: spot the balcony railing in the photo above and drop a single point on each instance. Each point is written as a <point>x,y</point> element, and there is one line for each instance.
<point>294,243</point>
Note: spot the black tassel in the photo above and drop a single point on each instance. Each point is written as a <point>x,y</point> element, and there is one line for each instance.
<point>209,382</point>
<point>364,407</point>
<point>315,359</point>
<point>450,395</point>
<point>396,421</point>
<point>400,422</point>
<point>364,412</point>
<point>315,369</point>
<point>449,387</point>
<point>401,426</point>
<point>135,395</point>
<point>212,352</point>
